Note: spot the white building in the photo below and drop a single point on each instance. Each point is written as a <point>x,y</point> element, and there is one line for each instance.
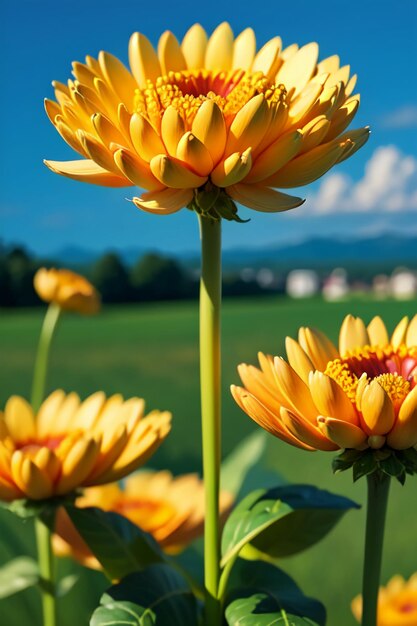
<point>403,284</point>
<point>302,284</point>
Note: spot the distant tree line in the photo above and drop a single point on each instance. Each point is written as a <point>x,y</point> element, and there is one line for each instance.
<point>153,277</point>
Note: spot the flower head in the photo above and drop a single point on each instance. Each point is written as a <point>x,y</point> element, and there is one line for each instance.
<point>71,444</point>
<point>210,120</point>
<point>362,395</point>
<point>67,289</point>
<point>170,508</point>
<point>397,603</point>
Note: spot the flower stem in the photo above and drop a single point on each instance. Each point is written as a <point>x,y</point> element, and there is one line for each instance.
<point>46,569</point>
<point>41,364</point>
<point>210,305</point>
<point>378,489</point>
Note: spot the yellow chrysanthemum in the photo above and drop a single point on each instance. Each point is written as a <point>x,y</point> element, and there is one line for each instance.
<point>68,290</point>
<point>71,444</point>
<point>207,115</point>
<point>397,603</point>
<point>363,395</point>
<point>171,509</point>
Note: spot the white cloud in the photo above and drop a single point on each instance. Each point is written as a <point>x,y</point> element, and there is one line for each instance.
<point>403,117</point>
<point>388,185</point>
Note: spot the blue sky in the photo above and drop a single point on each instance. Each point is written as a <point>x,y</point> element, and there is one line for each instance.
<point>373,192</point>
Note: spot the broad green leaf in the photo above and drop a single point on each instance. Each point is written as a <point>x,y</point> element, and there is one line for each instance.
<point>265,595</point>
<point>157,595</point>
<point>118,544</point>
<point>282,521</point>
<point>17,575</point>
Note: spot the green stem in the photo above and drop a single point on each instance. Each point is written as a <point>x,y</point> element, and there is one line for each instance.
<point>41,364</point>
<point>46,569</point>
<point>224,578</point>
<point>210,305</point>
<point>378,489</point>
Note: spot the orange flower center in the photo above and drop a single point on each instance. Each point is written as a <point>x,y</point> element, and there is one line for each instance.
<point>395,371</point>
<point>187,90</point>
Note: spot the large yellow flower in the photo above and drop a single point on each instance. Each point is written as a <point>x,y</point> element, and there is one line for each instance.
<point>397,603</point>
<point>68,290</point>
<point>71,444</point>
<point>363,395</point>
<point>210,119</point>
<point>171,509</point>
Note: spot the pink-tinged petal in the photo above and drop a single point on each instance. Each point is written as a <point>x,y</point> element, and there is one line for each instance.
<point>164,202</point>
<point>262,198</point>
<point>87,171</point>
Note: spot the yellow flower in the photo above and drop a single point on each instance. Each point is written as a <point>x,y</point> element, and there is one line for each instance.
<point>71,444</point>
<point>363,395</point>
<point>397,603</point>
<point>67,289</point>
<point>171,509</point>
<point>211,113</point>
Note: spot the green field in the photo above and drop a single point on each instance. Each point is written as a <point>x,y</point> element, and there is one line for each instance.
<point>152,351</point>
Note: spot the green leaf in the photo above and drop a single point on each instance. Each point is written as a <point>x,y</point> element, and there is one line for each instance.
<point>265,595</point>
<point>65,585</point>
<point>17,575</point>
<point>157,595</point>
<point>118,544</point>
<point>282,521</point>
<point>27,509</point>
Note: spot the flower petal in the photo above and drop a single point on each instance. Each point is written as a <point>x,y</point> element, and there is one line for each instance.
<point>411,336</point>
<point>249,126</point>
<point>353,334</point>
<point>87,171</point>
<point>344,434</point>
<point>233,169</point>
<point>377,409</point>
<point>172,129</point>
<point>19,419</point>
<point>399,334</point>
<point>170,54</point>
<point>267,60</point>
<point>219,53</point>
<point>244,50</point>
<point>298,359</point>
<point>330,399</point>
<point>118,77</point>
<point>262,198</point>
<point>275,156</point>
<point>165,201</point>
<point>306,432</point>
<point>377,332</point>
<point>210,128</point>
<point>297,71</point>
<point>143,59</point>
<point>172,173</point>
<point>136,170</point>
<point>404,433</point>
<point>194,153</point>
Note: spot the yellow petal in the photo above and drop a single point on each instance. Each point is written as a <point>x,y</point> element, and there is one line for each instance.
<point>172,129</point>
<point>330,399</point>
<point>8,491</point>
<point>359,138</point>
<point>119,77</point>
<point>262,198</point>
<point>52,109</point>
<point>331,65</point>
<point>145,139</point>
<point>399,334</point>
<point>341,76</point>
<point>294,390</point>
<point>70,138</point>
<point>297,71</point>
<point>89,411</point>
<point>298,359</point>
<point>306,168</point>
<point>411,336</point>
<point>210,128</point>
<point>244,50</point>
<point>143,59</point>
<point>314,132</point>
<point>97,152</point>
<point>88,172</point>
<point>275,156</point>
<point>194,47</point>
<point>317,346</point>
<point>48,413</point>
<point>29,478</point>
<point>77,465</point>
<point>353,334</point>
<point>19,419</point>
<point>377,409</point>
<point>136,170</point>
<point>194,153</point>
<point>172,173</point>
<point>301,108</point>
<point>164,202</point>
<point>305,432</point>
<point>170,54</point>
<point>219,53</point>
<point>342,118</point>
<point>267,59</point>
<point>249,126</point>
<point>377,332</point>
<point>344,434</point>
<point>351,85</point>
<point>47,461</point>
<point>404,433</point>
<point>107,130</point>
<point>233,169</point>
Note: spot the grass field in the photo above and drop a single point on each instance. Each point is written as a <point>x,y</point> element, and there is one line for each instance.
<point>152,351</point>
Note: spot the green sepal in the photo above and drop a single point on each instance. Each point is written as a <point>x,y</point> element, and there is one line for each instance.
<point>213,202</point>
<point>46,509</point>
<point>394,463</point>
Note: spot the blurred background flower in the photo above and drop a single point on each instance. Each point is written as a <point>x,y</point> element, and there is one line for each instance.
<point>170,508</point>
<point>71,444</point>
<point>68,290</point>
<point>397,603</point>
